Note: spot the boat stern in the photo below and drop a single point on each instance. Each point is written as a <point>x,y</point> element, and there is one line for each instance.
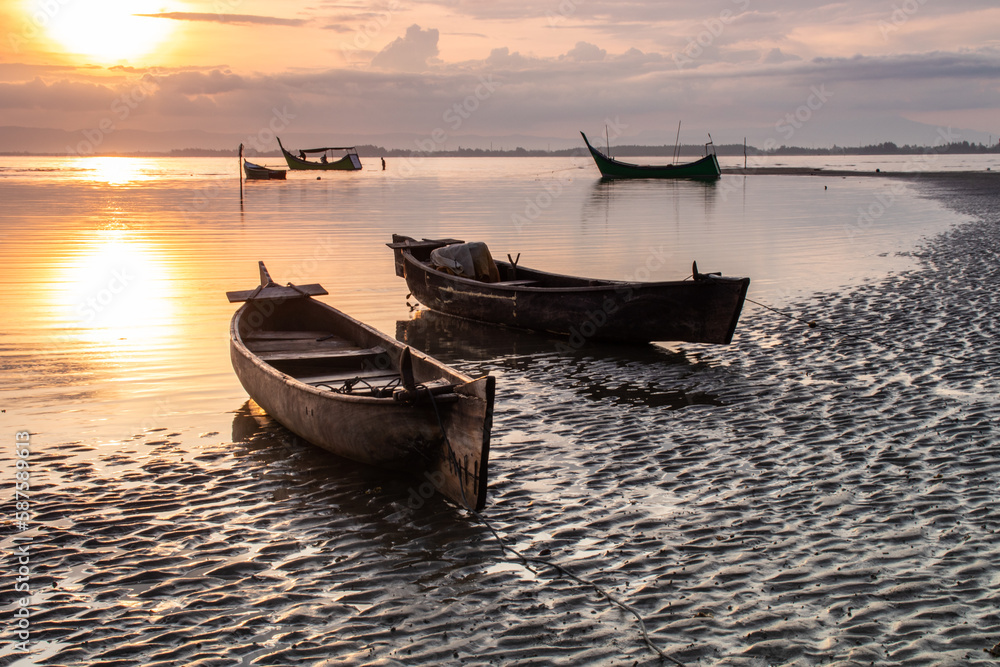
<point>460,473</point>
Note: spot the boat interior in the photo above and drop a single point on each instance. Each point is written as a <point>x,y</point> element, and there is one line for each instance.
<point>322,359</point>
<point>322,353</point>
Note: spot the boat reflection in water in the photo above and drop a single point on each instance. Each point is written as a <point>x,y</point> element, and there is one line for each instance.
<point>649,375</point>
<point>458,340</point>
<point>264,440</point>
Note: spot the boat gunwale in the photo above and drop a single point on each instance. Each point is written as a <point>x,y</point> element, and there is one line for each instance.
<point>604,284</point>
<point>656,167</point>
<point>253,166</point>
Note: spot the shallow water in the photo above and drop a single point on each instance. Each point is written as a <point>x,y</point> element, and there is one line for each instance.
<point>803,496</point>
<point>124,263</point>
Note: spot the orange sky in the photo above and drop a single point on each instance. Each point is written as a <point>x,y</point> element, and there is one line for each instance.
<point>734,67</point>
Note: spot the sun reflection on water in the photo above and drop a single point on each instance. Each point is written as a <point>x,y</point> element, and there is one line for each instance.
<point>117,170</point>
<point>116,288</point>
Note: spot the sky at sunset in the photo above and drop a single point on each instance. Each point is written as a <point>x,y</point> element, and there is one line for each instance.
<point>444,73</point>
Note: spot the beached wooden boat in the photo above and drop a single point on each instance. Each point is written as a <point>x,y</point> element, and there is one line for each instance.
<point>705,168</point>
<point>260,172</point>
<point>348,162</point>
<point>361,394</point>
<point>703,310</point>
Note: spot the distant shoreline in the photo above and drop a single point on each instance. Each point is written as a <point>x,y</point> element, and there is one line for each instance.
<point>684,151</point>
<point>819,171</point>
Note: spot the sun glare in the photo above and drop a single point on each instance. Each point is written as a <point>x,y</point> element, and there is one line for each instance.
<point>108,31</point>
<point>115,288</point>
<point>115,170</point>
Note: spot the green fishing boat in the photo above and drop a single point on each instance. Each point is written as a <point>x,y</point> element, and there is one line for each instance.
<point>705,168</point>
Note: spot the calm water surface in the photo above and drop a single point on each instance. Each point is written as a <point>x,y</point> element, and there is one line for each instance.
<point>116,268</point>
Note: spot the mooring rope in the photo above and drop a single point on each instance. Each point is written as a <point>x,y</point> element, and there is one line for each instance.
<point>559,568</point>
<point>562,570</point>
<point>555,171</point>
<point>813,324</point>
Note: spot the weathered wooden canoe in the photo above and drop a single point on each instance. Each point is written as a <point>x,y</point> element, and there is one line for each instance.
<point>703,310</point>
<point>260,172</point>
<point>705,168</point>
<point>359,393</point>
<point>348,162</point>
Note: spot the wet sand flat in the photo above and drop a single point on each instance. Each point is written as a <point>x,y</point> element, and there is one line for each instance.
<point>809,495</point>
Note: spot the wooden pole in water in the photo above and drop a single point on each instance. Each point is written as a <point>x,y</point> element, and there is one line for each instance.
<point>744,153</point>
<point>240,174</point>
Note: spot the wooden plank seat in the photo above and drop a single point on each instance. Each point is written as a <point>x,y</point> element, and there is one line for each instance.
<point>275,292</point>
<point>425,243</point>
<point>284,335</point>
<point>276,341</point>
<point>511,283</point>
<point>318,353</point>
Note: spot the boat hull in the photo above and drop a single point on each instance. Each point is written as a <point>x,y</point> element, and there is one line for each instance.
<point>256,172</point>
<point>705,310</point>
<point>444,442</point>
<point>706,168</point>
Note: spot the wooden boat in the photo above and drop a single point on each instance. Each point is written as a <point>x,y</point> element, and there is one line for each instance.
<point>703,310</point>
<point>705,168</point>
<point>259,172</point>
<point>348,162</point>
<point>359,393</point>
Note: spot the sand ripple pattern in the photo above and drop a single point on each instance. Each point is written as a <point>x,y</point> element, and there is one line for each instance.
<point>800,498</point>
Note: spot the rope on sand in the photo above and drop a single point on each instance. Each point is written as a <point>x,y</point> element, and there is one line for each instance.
<point>563,571</point>
<point>559,568</point>
<point>813,324</point>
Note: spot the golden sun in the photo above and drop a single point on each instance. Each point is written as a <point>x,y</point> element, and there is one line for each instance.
<point>107,31</point>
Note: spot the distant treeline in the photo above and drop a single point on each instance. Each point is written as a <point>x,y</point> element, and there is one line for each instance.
<point>885,148</point>
<point>888,148</point>
<point>687,150</point>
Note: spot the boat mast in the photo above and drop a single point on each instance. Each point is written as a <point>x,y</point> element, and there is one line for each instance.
<point>677,140</point>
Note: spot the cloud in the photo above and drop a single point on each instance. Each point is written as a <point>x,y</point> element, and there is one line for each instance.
<point>776,57</point>
<point>965,65</point>
<point>502,58</point>
<point>20,72</point>
<point>409,53</point>
<point>63,94</point>
<point>584,52</point>
<point>236,19</point>
<point>200,83</point>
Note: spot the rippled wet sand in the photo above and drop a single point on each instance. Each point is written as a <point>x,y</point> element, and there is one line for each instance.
<point>809,495</point>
